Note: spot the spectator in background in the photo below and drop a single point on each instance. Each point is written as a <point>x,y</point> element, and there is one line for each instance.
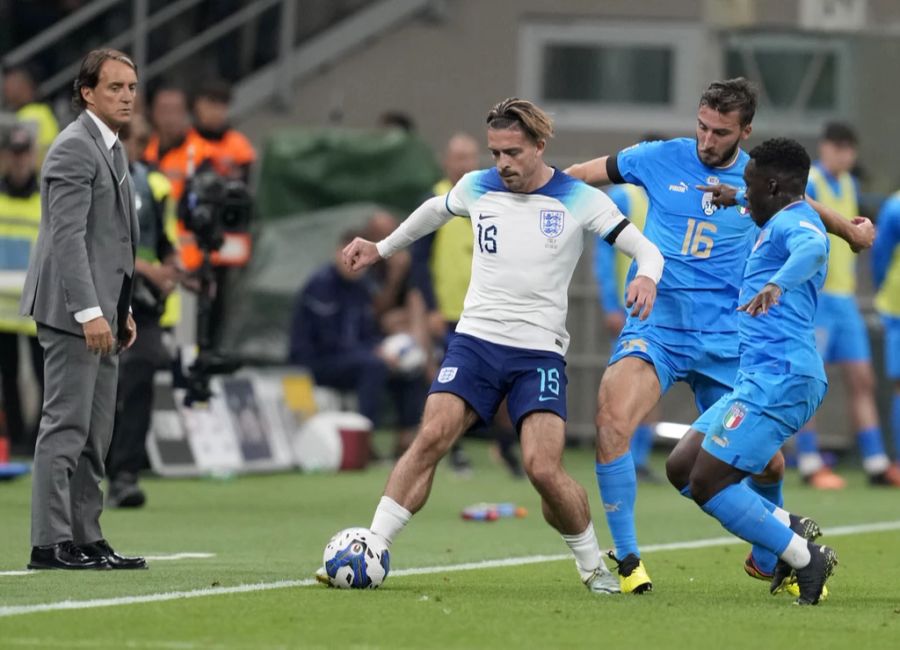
<point>20,95</point>
<point>841,334</point>
<point>229,150</point>
<point>886,273</point>
<point>441,268</point>
<point>153,306</point>
<point>20,218</point>
<point>174,148</point>
<point>611,272</point>
<point>335,334</point>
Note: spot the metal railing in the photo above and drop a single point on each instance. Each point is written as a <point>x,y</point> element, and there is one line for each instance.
<point>273,81</point>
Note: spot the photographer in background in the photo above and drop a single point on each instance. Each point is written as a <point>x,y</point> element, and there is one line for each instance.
<point>155,306</point>
<point>20,218</point>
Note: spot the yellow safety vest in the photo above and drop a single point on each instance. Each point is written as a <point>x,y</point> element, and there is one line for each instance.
<point>887,300</point>
<point>638,204</point>
<point>20,219</point>
<point>451,261</point>
<point>841,278</point>
<point>162,192</point>
<point>45,122</point>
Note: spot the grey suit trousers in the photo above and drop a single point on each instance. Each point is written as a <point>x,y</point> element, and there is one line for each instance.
<point>74,436</point>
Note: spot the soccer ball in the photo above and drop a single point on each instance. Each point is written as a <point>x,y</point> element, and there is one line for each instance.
<point>406,352</point>
<point>356,558</point>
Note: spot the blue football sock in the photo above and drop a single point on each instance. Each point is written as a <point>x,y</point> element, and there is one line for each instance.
<point>807,441</point>
<point>772,496</point>
<point>618,491</point>
<point>686,492</point>
<point>895,424</point>
<point>870,442</point>
<point>743,513</point>
<point>641,444</point>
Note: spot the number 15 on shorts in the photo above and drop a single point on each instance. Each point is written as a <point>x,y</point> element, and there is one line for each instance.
<point>549,384</point>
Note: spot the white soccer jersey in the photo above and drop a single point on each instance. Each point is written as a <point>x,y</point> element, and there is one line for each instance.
<point>525,251</point>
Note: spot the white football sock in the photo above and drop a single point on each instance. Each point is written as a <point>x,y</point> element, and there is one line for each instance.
<point>390,518</point>
<point>782,515</point>
<point>797,552</point>
<point>586,549</point>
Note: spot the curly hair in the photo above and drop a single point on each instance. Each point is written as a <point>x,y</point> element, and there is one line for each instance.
<point>785,157</point>
<point>736,94</point>
<point>518,113</point>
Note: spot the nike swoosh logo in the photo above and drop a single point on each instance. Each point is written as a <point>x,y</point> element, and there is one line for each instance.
<point>487,216</point>
<point>541,398</point>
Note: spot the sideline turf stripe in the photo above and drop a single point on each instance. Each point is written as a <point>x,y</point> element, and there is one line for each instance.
<point>16,610</point>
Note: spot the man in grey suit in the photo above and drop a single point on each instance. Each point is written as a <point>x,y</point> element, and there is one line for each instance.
<point>78,290</point>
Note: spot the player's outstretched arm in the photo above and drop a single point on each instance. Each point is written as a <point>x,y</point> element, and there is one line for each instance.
<point>723,195</point>
<point>592,172</point>
<point>858,232</point>
<point>641,293</point>
<point>762,302</point>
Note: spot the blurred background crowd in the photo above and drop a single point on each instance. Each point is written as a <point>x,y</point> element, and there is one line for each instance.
<point>336,118</point>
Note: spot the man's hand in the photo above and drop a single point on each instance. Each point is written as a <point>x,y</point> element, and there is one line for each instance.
<point>862,234</point>
<point>163,276</point>
<point>763,301</point>
<point>359,254</point>
<point>722,195</point>
<point>127,334</point>
<point>641,296</point>
<point>98,336</point>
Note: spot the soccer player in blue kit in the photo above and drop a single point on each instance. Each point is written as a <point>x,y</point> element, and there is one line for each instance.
<point>781,381</point>
<point>528,221</point>
<point>691,336</point>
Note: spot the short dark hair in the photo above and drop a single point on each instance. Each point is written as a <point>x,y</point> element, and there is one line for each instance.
<point>736,94</point>
<point>784,157</point>
<point>215,90</point>
<point>839,133</point>
<point>397,120</point>
<point>89,74</point>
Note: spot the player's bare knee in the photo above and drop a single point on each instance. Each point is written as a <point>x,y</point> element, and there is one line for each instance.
<point>702,487</point>
<point>541,471</point>
<point>678,470</point>
<point>862,379</point>
<point>433,440</point>
<point>773,472</point>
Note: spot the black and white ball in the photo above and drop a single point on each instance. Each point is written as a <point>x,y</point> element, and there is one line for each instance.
<point>356,558</point>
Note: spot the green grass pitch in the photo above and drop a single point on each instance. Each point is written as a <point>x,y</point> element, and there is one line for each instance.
<point>267,529</point>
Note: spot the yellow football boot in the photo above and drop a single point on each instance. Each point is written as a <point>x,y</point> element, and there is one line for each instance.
<point>633,576</point>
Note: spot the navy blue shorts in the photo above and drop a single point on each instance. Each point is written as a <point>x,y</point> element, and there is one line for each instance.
<point>483,373</point>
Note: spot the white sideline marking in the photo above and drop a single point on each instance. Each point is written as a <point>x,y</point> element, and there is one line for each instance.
<point>154,558</point>
<point>178,556</point>
<point>16,610</point>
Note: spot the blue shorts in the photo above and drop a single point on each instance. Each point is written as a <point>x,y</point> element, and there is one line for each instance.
<point>746,427</point>
<point>708,362</point>
<point>483,373</point>
<point>841,334</point>
<point>892,346</point>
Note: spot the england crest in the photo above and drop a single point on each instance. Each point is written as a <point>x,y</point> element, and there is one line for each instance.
<point>447,375</point>
<point>552,223</point>
<point>734,416</point>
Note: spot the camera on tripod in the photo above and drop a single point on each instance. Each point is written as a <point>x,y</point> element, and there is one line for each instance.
<point>211,207</point>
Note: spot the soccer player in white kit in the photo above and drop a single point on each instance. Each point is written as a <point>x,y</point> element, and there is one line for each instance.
<point>529,221</point>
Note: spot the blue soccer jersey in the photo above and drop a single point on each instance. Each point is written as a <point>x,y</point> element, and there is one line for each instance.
<point>704,246</point>
<point>790,251</point>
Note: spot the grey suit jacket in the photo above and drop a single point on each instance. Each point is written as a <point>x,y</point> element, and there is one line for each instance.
<point>84,255</point>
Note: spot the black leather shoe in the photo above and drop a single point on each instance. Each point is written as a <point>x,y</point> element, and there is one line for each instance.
<point>100,550</point>
<point>64,555</point>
